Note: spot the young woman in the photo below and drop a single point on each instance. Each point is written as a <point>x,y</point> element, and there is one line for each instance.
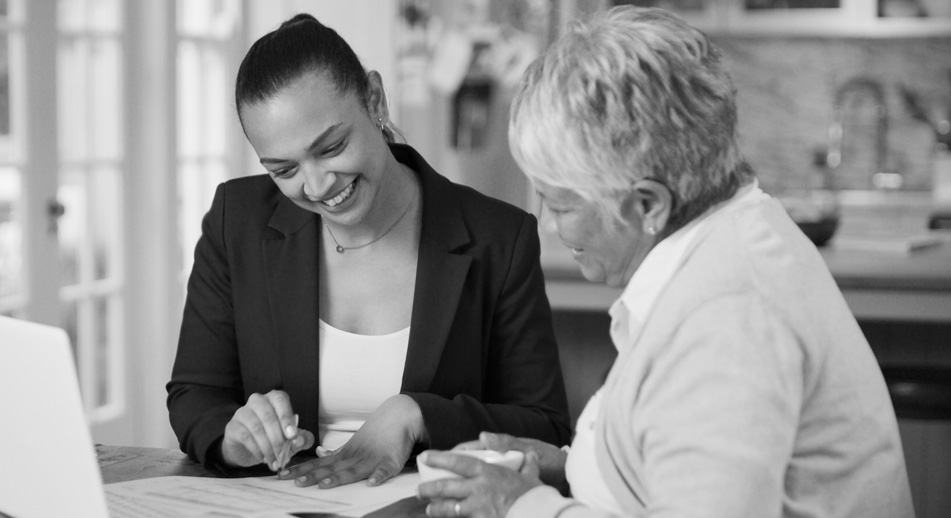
<point>353,298</point>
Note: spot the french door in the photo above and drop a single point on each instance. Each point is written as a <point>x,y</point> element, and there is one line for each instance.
<point>114,129</point>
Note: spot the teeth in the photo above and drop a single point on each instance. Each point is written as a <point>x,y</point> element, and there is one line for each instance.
<point>340,198</point>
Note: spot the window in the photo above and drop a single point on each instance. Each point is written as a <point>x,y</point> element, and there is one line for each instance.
<point>90,182</point>
<point>207,31</point>
<point>12,290</point>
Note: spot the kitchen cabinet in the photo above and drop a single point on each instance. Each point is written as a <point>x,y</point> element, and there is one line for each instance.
<point>858,18</point>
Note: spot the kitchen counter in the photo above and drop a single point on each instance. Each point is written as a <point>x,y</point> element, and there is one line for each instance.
<point>878,286</point>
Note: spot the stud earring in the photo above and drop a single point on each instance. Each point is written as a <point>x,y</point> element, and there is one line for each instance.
<point>651,230</point>
<point>382,124</point>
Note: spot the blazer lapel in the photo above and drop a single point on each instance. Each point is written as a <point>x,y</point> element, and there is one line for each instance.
<point>440,274</point>
<point>290,259</point>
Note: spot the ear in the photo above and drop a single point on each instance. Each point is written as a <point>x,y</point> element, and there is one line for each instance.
<point>376,97</point>
<point>652,202</point>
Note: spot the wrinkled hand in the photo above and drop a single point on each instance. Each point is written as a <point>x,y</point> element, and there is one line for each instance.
<point>258,430</point>
<point>551,459</point>
<point>377,451</point>
<point>484,490</point>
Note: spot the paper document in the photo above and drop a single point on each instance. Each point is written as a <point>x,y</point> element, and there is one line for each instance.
<point>263,496</point>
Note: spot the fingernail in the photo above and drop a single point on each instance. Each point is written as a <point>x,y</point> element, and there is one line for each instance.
<point>301,479</point>
<point>325,481</point>
<point>374,481</point>
<point>285,473</point>
<point>289,431</point>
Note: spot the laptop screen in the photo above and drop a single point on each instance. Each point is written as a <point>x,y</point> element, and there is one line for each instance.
<point>48,461</point>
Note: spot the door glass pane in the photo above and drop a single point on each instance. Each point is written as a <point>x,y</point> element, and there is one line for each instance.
<point>72,224</point>
<point>215,18</point>
<point>104,226</point>
<point>103,77</point>
<point>71,15</point>
<point>102,344</point>
<point>217,107</point>
<point>104,15</point>
<point>72,108</point>
<point>189,99</point>
<point>11,229</point>
<point>4,87</point>
<point>191,210</point>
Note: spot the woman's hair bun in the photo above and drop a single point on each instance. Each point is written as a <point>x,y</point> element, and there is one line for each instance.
<point>299,18</point>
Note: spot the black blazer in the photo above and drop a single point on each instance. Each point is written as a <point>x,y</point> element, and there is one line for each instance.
<point>481,354</point>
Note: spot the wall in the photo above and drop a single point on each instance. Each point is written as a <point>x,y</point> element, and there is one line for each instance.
<point>786,87</point>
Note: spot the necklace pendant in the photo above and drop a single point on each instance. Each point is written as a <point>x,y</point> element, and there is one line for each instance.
<point>340,249</point>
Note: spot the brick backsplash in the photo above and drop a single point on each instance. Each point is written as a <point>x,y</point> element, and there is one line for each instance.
<point>786,87</point>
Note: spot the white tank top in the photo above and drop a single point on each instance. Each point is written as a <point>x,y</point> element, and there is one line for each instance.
<point>357,374</point>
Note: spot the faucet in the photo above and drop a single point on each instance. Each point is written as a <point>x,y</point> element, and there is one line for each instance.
<point>881,178</point>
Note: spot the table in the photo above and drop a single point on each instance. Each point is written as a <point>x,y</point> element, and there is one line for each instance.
<point>123,463</point>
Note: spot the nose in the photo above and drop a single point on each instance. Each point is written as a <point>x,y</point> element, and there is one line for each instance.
<point>318,182</point>
<point>547,220</point>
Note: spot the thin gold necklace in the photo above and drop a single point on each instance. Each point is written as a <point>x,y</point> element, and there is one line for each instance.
<point>341,249</point>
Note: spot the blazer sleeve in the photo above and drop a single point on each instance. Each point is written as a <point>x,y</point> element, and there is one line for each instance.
<point>206,387</point>
<point>524,392</point>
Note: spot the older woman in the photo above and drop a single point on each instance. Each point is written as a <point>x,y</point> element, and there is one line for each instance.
<point>743,385</point>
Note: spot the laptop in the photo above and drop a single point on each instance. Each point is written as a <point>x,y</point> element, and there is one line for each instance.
<point>48,464</point>
<point>48,461</point>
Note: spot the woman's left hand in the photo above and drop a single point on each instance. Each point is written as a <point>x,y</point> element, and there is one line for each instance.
<point>483,490</point>
<point>377,451</point>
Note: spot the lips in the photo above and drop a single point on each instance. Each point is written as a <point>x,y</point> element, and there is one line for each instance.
<point>341,196</point>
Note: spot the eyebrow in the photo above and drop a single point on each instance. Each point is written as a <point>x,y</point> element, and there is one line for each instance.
<point>316,142</point>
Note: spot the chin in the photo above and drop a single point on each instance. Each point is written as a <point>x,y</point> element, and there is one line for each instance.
<point>593,275</point>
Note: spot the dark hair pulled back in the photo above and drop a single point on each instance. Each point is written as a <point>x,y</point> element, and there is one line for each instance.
<point>299,46</point>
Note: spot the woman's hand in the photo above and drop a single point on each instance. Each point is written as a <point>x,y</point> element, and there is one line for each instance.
<point>551,459</point>
<point>377,451</point>
<point>258,430</point>
<point>484,490</point>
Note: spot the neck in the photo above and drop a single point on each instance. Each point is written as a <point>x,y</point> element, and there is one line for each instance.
<point>392,208</point>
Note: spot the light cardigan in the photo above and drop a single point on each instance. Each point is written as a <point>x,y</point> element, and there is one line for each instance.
<point>749,391</point>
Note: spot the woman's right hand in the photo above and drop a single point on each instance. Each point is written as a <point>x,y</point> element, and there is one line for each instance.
<point>258,430</point>
<point>551,459</point>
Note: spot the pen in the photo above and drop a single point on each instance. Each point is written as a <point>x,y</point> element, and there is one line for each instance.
<point>285,454</point>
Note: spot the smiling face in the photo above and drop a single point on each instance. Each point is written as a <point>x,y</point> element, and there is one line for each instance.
<point>323,148</point>
<point>608,250</point>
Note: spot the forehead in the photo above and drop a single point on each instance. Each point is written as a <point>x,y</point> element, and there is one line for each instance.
<point>555,194</point>
<point>308,105</point>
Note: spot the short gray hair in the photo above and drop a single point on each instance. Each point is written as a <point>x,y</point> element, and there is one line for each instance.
<point>633,93</point>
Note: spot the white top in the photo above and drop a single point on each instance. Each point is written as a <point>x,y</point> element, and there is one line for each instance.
<point>357,374</point>
<point>627,319</point>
